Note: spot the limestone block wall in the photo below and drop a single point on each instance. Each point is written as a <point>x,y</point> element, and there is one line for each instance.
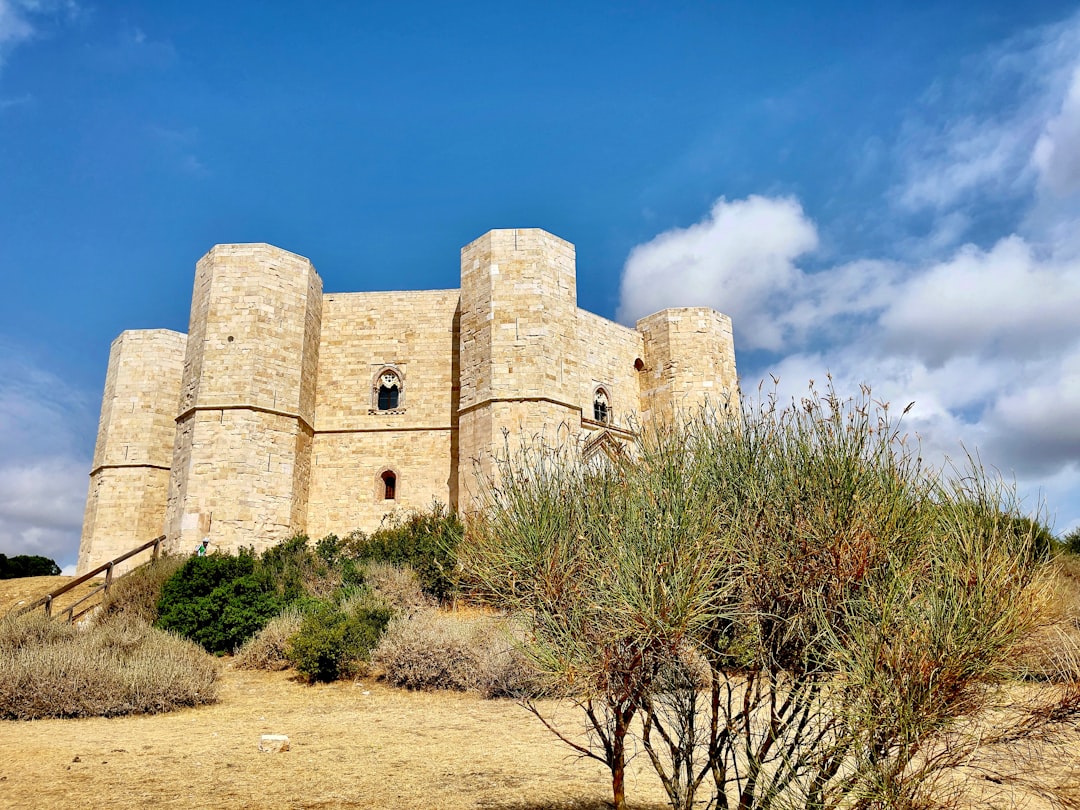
<point>518,316</point>
<point>347,491</point>
<point>125,505</point>
<point>506,427</point>
<point>689,362</point>
<point>246,478</point>
<point>363,333</point>
<point>416,335</point>
<point>244,429</point>
<point>518,335</point>
<point>264,420</point>
<point>605,355</point>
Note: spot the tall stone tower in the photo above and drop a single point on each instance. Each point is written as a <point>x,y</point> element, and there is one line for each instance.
<point>689,362</point>
<point>244,425</point>
<point>130,474</point>
<point>517,368</point>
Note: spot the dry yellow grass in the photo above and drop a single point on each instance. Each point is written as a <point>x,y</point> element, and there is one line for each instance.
<point>17,593</point>
<point>353,745</point>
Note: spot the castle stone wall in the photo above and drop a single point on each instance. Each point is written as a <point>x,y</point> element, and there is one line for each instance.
<point>347,491</point>
<point>266,422</point>
<point>415,335</point>
<point>242,455</point>
<point>125,505</point>
<point>518,335</point>
<point>689,362</point>
<point>605,353</point>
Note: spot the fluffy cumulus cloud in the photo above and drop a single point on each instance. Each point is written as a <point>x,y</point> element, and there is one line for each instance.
<point>742,253</point>
<point>43,460</point>
<point>984,339</point>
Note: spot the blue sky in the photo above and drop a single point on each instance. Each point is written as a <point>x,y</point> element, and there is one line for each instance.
<point>887,192</point>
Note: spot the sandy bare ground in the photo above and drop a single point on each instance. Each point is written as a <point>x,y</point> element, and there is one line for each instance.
<point>355,745</point>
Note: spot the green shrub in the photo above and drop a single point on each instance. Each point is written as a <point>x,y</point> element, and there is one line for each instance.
<point>298,570</point>
<point>1071,541</point>
<point>335,639</point>
<point>49,668</point>
<point>425,541</point>
<point>219,601</point>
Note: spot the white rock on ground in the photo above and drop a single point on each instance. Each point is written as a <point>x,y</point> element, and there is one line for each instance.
<point>273,743</point>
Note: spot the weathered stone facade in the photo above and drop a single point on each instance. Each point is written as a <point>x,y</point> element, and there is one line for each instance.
<point>285,409</point>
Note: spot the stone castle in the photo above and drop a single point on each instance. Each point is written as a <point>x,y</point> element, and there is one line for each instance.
<point>288,410</point>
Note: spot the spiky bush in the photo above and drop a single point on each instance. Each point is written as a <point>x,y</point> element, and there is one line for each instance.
<point>398,586</point>
<point>855,612</point>
<point>431,650</point>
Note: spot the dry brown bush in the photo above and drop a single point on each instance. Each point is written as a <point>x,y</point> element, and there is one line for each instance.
<point>1053,651</point>
<point>435,650</point>
<point>266,650</point>
<point>50,669</point>
<point>135,595</point>
<point>398,586</point>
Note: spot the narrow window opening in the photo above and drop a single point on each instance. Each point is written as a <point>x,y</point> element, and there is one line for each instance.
<point>389,391</point>
<point>638,365</point>
<point>389,486</point>
<point>601,406</point>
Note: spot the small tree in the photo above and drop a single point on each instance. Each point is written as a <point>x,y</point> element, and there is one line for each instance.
<point>617,565</point>
<point>849,614</point>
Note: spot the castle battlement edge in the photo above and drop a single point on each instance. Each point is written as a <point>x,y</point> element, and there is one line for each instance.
<point>285,409</point>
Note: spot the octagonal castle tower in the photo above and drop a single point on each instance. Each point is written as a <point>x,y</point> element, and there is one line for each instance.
<point>289,410</point>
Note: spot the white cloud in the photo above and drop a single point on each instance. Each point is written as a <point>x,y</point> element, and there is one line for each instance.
<point>43,463</point>
<point>1056,155</point>
<point>989,303</point>
<point>1019,129</point>
<point>741,253</point>
<point>984,339</point>
<point>21,20</point>
<point>15,28</point>
<point>971,156</point>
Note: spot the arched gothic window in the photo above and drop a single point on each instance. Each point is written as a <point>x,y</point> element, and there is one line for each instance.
<point>601,406</point>
<point>388,390</point>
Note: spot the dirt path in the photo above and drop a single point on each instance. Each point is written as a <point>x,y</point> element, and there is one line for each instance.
<point>359,745</point>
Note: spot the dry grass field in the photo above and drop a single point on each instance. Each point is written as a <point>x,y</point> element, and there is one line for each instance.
<point>16,593</point>
<point>353,745</point>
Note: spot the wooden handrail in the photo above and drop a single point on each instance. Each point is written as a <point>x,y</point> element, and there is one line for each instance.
<point>102,589</point>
